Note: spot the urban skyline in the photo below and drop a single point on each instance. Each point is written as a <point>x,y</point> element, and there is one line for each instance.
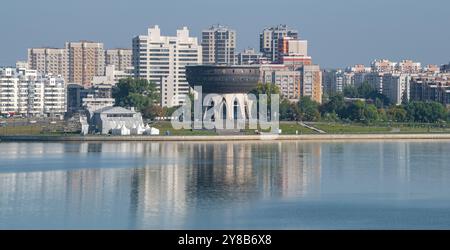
<point>341,34</point>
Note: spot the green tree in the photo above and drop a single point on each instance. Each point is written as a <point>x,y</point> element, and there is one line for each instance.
<point>396,114</point>
<point>288,110</point>
<point>138,93</point>
<point>429,112</point>
<point>335,104</point>
<point>308,109</point>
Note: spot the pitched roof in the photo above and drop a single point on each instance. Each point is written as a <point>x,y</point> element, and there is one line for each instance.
<point>114,110</point>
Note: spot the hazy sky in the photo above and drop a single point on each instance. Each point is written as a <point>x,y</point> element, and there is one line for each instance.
<point>340,32</point>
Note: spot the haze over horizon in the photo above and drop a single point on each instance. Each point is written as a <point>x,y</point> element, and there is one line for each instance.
<point>340,33</point>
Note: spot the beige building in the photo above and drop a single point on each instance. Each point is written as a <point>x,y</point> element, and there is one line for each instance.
<point>120,58</point>
<point>409,67</point>
<point>219,45</point>
<point>311,84</point>
<point>85,60</point>
<point>288,81</point>
<point>48,61</point>
<point>294,84</point>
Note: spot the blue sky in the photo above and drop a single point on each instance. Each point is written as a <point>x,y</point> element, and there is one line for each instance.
<point>340,32</point>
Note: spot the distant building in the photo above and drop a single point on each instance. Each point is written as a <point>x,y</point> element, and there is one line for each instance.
<point>81,99</point>
<point>311,84</point>
<point>163,60</point>
<point>112,76</point>
<point>431,88</point>
<point>383,66</point>
<point>432,68</point>
<point>49,61</point>
<point>28,93</point>
<point>294,84</point>
<point>333,81</point>
<point>289,81</point>
<point>397,87</point>
<point>22,65</point>
<point>409,67</point>
<point>219,45</point>
<point>445,68</point>
<point>249,56</point>
<point>120,58</point>
<point>105,120</point>
<point>85,60</point>
<point>270,38</point>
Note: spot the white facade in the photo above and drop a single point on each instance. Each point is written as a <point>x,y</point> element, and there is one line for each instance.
<point>397,87</point>
<point>163,60</point>
<point>111,77</point>
<point>27,93</point>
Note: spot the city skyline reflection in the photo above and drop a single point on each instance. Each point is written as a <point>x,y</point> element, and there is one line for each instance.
<point>191,185</point>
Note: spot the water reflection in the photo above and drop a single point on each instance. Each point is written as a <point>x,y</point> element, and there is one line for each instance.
<point>190,185</point>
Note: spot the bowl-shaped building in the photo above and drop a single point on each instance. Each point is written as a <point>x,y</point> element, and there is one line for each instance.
<point>221,79</point>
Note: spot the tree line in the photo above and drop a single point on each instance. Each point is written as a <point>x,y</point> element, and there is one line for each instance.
<point>366,106</point>
<point>363,104</point>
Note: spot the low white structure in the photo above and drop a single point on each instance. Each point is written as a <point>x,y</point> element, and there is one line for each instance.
<point>109,119</point>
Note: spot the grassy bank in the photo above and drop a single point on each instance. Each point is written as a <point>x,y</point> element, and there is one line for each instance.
<point>341,128</point>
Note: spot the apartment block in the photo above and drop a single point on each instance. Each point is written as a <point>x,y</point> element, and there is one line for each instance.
<point>431,88</point>
<point>270,39</point>
<point>49,61</point>
<point>294,84</point>
<point>219,45</point>
<point>397,87</point>
<point>29,93</point>
<point>311,84</point>
<point>120,58</point>
<point>289,81</point>
<point>85,60</point>
<point>163,60</point>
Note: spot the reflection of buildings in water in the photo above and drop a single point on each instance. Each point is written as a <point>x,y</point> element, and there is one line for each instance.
<point>221,172</point>
<point>27,150</point>
<point>299,168</point>
<point>158,191</point>
<point>64,197</point>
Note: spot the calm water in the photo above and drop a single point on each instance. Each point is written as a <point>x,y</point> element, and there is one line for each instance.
<point>270,185</point>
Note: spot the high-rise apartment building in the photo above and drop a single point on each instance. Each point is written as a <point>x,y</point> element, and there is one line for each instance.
<point>85,60</point>
<point>294,84</point>
<point>287,80</point>
<point>29,93</point>
<point>311,84</point>
<point>163,60</point>
<point>397,87</point>
<point>120,58</point>
<point>270,38</point>
<point>49,61</point>
<point>219,45</point>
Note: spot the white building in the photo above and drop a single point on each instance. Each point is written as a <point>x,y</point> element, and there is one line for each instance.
<point>27,93</point>
<point>397,87</point>
<point>112,76</point>
<point>249,56</point>
<point>162,59</point>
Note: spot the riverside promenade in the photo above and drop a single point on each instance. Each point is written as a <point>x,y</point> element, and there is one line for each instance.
<point>216,138</point>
